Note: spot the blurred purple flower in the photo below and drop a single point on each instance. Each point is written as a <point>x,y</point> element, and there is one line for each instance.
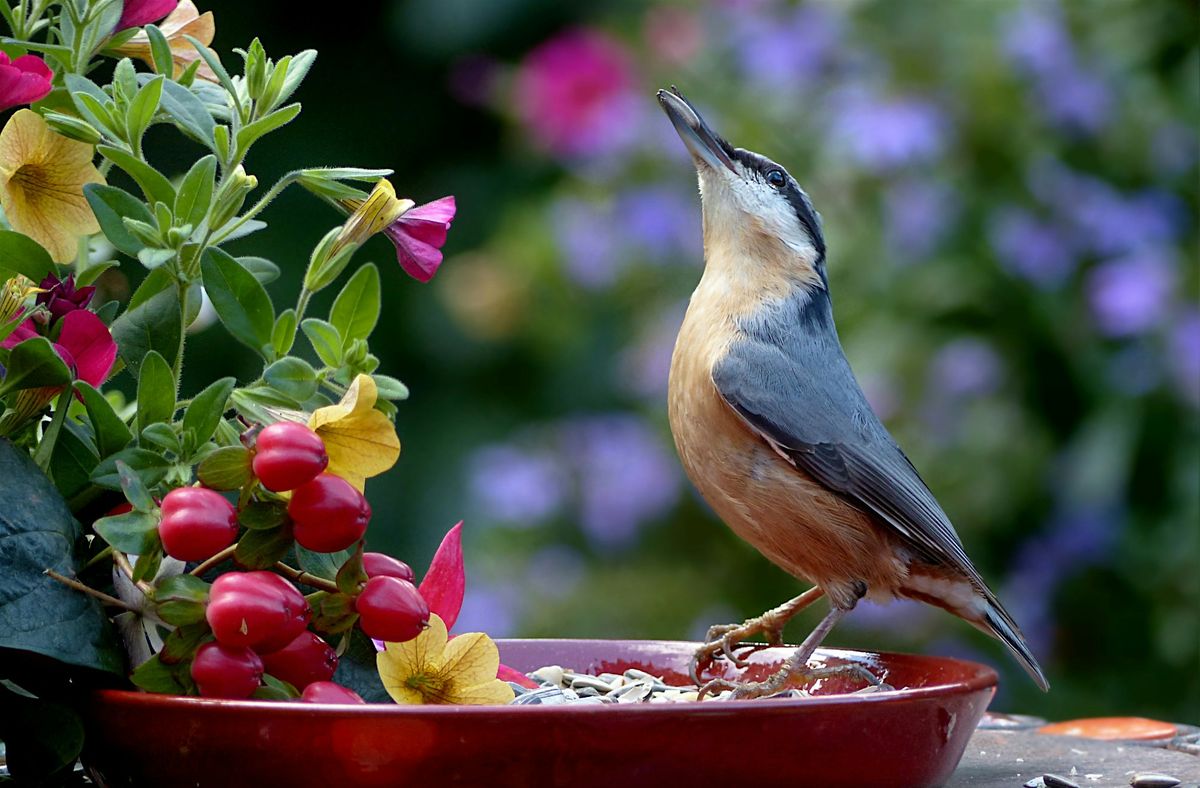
<point>573,93</point>
<point>1175,149</point>
<point>1131,294</point>
<point>785,52</point>
<point>966,367</point>
<point>1036,40</point>
<point>881,394</point>
<point>901,616</point>
<point>917,215</point>
<point>1183,348</point>
<point>1076,99</point>
<point>492,608</point>
<point>626,476</point>
<point>1134,370</point>
<point>646,365</point>
<point>1033,249</point>
<point>516,486</point>
<point>662,222</point>
<point>882,133</point>
<point>589,244</point>
<point>555,571</point>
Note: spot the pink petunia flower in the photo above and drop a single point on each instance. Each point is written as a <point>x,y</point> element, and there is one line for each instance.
<point>62,297</point>
<point>137,13</point>
<point>84,344</point>
<point>23,81</point>
<point>419,236</point>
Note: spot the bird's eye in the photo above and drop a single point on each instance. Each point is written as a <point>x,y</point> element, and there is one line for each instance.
<point>776,178</point>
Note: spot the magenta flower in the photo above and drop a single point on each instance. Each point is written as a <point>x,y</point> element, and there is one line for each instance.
<point>142,12</point>
<point>419,236</point>
<point>23,81</point>
<point>61,296</point>
<point>84,344</point>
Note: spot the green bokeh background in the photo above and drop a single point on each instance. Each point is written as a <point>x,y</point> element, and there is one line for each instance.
<point>1056,432</point>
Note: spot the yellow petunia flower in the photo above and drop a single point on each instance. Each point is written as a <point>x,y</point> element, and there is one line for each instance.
<point>431,668</point>
<point>185,20</point>
<point>370,216</point>
<point>42,175</point>
<point>359,440</point>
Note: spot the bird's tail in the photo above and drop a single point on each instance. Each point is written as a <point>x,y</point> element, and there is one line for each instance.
<point>1000,625</point>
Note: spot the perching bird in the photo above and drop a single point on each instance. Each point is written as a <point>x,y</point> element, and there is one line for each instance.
<point>775,432</point>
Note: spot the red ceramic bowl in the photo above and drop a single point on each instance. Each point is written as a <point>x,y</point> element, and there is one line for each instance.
<point>912,736</point>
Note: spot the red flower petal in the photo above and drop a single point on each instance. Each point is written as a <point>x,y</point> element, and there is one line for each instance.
<point>446,580</point>
<point>142,12</point>
<point>419,236</point>
<point>23,81</point>
<point>88,340</point>
<point>505,673</point>
<point>20,334</point>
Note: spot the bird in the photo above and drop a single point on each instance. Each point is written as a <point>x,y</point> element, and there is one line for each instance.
<point>774,431</point>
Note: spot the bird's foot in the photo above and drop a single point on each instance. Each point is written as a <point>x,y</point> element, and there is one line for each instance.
<point>779,680</point>
<point>722,639</point>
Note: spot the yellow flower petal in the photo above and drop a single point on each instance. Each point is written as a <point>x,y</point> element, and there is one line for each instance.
<point>185,20</point>
<point>492,693</point>
<point>360,441</point>
<point>42,175</point>
<point>473,658</point>
<point>370,216</point>
<point>430,668</point>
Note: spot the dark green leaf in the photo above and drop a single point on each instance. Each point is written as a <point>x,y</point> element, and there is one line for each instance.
<point>142,108</point>
<point>204,413</point>
<point>153,183</point>
<point>196,192</point>
<point>181,644</point>
<point>160,51</point>
<point>324,565</point>
<point>189,112</point>
<point>154,675</point>
<point>111,205</point>
<point>262,549</point>
<point>351,576</point>
<point>252,132</point>
<point>180,600</point>
<point>357,669</point>
<point>110,432</point>
<point>20,254</point>
<point>239,300</point>
<point>34,364</point>
<point>150,466</point>
<point>255,403</point>
<point>275,689</point>
<point>163,436</point>
<point>148,563</point>
<point>154,325</point>
<point>227,468</point>
<point>42,738</point>
<point>325,339</point>
<point>155,391</point>
<point>356,309</point>
<point>263,269</point>
<point>73,461</point>
<point>214,63</point>
<point>40,615</point>
<point>131,532</point>
<point>332,613</point>
<point>283,336</point>
<point>135,492</point>
<point>262,515</point>
<point>292,376</point>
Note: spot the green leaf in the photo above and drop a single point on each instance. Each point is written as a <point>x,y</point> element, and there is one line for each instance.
<point>252,132</point>
<point>263,549</point>
<point>154,675</point>
<point>263,269</point>
<point>131,532</point>
<point>148,563</point>
<point>42,738</point>
<point>204,413</point>
<point>135,492</point>
<point>324,565</point>
<point>297,71</point>
<point>332,613</point>
<point>142,108</point>
<point>357,669</point>
<point>20,254</point>
<point>254,402</point>
<point>180,646</point>
<point>262,515</point>
<point>160,51</point>
<point>111,205</point>
<point>153,325</point>
<point>153,183</point>
<point>283,336</point>
<point>356,309</point>
<point>227,468</point>
<point>325,339</point>
<point>40,615</point>
<point>33,363</point>
<point>351,576</point>
<point>187,110</point>
<point>163,436</point>
<point>150,466</point>
<point>292,376</point>
<point>155,391</point>
<point>214,63</point>
<point>110,432</point>
<point>275,689</point>
<point>73,461</point>
<point>196,191</point>
<point>180,599</point>
<point>153,258</point>
<point>240,301</point>
<point>389,388</point>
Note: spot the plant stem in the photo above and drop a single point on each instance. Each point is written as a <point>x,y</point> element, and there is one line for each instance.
<point>122,561</point>
<point>219,558</point>
<point>302,303</point>
<point>308,579</point>
<point>257,208</point>
<point>177,367</point>
<point>112,601</point>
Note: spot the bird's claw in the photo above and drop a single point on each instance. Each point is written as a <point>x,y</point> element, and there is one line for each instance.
<point>722,639</point>
<point>778,681</point>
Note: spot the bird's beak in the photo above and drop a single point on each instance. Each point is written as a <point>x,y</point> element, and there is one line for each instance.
<point>700,140</point>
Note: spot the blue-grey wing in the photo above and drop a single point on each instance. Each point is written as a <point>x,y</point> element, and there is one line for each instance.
<point>792,384</point>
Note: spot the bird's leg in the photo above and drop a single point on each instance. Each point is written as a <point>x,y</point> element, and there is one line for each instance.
<point>796,665</point>
<point>723,638</point>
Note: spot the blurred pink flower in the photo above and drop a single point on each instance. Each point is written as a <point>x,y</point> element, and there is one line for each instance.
<point>142,12</point>
<point>572,91</point>
<point>419,235</point>
<point>23,80</point>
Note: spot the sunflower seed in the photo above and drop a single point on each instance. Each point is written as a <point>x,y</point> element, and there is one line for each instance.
<point>551,675</point>
<point>1153,780</point>
<point>1057,781</point>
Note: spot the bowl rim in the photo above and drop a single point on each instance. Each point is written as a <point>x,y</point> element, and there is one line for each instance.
<point>981,677</point>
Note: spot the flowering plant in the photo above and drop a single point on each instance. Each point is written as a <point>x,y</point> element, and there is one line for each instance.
<point>195,522</point>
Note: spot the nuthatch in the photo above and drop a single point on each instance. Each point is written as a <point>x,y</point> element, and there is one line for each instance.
<point>776,434</point>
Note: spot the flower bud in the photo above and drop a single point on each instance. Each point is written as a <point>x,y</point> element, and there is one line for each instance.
<point>73,128</point>
<point>232,195</point>
<point>328,261</point>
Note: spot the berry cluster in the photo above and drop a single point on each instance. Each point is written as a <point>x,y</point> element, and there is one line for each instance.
<point>248,634</point>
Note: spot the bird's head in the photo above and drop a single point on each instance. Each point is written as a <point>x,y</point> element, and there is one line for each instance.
<point>755,214</point>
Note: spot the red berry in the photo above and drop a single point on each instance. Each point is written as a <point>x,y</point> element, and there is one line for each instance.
<point>303,661</point>
<point>378,564</point>
<point>328,514</point>
<point>286,455</point>
<point>391,609</point>
<point>197,523</point>
<point>226,672</point>
<point>258,610</point>
<point>328,692</point>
